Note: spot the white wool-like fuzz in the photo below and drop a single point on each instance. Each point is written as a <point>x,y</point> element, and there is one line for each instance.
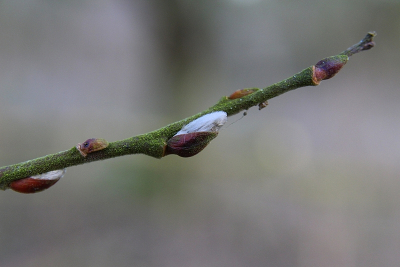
<point>211,122</point>
<point>52,175</point>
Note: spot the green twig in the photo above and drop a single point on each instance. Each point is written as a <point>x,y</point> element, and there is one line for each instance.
<point>153,143</point>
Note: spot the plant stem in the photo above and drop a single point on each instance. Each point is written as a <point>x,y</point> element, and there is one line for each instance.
<point>153,143</point>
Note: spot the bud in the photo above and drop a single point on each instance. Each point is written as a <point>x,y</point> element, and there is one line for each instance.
<point>242,92</point>
<point>328,67</point>
<point>196,135</point>
<point>91,145</point>
<point>37,183</point>
<point>190,144</point>
<point>262,105</point>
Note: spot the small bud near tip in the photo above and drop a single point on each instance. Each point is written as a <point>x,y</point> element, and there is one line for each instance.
<point>365,44</point>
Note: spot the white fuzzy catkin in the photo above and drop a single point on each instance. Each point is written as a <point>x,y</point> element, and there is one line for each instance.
<point>52,175</point>
<point>211,122</point>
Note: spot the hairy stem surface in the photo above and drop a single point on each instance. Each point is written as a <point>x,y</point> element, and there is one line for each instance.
<point>153,143</point>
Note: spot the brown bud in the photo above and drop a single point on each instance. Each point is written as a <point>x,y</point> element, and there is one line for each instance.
<point>242,92</point>
<point>37,183</point>
<point>187,145</point>
<point>262,105</point>
<point>328,67</point>
<point>91,145</point>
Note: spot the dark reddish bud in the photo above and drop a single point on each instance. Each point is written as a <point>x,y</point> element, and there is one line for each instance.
<point>242,92</point>
<point>187,145</point>
<point>37,183</point>
<point>195,136</point>
<point>328,67</point>
<point>91,145</point>
<point>31,185</point>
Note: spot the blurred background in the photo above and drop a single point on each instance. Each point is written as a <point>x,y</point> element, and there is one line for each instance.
<point>311,180</point>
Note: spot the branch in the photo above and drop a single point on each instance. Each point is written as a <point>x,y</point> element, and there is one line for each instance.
<point>154,143</point>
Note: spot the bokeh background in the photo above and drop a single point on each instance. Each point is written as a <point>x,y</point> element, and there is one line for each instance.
<point>311,180</point>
